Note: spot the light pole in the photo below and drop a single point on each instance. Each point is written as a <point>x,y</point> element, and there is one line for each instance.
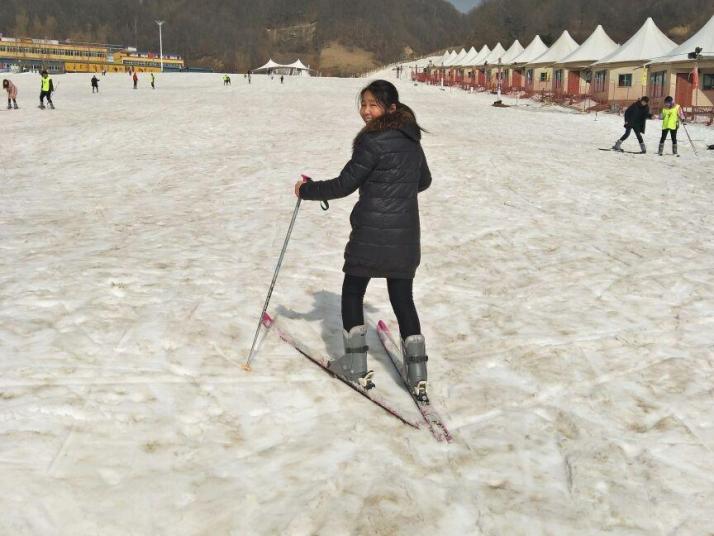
<point>161,43</point>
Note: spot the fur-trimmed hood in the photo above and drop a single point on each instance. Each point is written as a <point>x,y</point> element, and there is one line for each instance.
<point>402,120</point>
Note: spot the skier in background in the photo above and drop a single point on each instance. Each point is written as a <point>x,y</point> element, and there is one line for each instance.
<point>389,168</point>
<point>11,89</point>
<point>153,81</point>
<point>46,89</point>
<point>671,116</point>
<point>249,77</point>
<point>95,84</point>
<point>282,78</point>
<point>226,80</point>
<point>135,78</point>
<point>636,117</point>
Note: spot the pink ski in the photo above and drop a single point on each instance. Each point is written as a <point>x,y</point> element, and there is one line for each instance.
<point>431,417</point>
<point>270,323</point>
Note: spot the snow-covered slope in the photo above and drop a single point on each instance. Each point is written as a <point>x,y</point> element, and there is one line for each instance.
<point>566,296</point>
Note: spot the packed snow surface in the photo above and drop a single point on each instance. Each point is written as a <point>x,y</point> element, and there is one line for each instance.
<point>566,295</point>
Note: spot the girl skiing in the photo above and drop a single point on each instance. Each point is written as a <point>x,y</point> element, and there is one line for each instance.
<point>636,117</point>
<point>671,116</point>
<point>11,89</point>
<point>389,168</point>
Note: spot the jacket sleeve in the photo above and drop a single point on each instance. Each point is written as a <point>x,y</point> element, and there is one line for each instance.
<point>425,177</point>
<point>364,160</point>
<point>52,86</point>
<point>629,113</point>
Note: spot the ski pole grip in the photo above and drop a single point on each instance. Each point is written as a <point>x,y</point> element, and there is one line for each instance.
<point>324,205</point>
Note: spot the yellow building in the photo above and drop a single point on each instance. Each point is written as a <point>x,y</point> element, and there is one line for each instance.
<point>622,76</point>
<point>59,57</point>
<point>674,74</point>
<point>540,71</point>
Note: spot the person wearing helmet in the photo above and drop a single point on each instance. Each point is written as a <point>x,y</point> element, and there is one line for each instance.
<point>671,116</point>
<point>46,89</point>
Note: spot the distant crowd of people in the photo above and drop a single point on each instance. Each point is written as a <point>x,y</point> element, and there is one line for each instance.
<point>47,87</point>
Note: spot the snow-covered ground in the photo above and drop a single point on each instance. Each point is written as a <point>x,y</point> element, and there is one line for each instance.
<point>566,295</point>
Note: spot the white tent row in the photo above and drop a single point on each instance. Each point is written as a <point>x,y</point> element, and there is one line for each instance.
<point>297,67</point>
<point>594,48</point>
<point>647,44</point>
<point>703,39</point>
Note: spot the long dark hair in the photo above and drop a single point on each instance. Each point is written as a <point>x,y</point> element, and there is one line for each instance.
<point>386,94</point>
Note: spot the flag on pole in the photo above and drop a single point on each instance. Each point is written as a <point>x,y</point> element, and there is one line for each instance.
<point>695,77</point>
<point>695,83</point>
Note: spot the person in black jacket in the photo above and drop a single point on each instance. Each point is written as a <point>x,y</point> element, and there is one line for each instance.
<point>389,168</point>
<point>636,117</point>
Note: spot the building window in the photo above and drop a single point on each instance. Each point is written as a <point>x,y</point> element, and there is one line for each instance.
<point>559,79</point>
<point>600,81</point>
<point>624,80</point>
<point>708,81</point>
<point>544,76</point>
<point>657,83</point>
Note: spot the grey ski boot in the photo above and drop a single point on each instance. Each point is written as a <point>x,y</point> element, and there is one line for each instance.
<point>643,148</point>
<point>674,149</point>
<point>415,358</point>
<point>617,146</point>
<point>660,151</point>
<point>353,364</point>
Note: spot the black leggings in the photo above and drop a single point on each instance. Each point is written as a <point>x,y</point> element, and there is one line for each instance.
<point>627,135</point>
<point>664,135</point>
<point>400,294</point>
<point>45,94</point>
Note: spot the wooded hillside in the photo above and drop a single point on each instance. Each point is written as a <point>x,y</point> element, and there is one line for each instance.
<point>335,36</point>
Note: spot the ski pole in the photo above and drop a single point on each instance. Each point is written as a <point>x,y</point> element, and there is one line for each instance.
<point>246,366</point>
<point>324,206</point>
<point>690,140</point>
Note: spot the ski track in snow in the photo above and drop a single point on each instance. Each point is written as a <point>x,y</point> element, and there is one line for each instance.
<point>566,296</point>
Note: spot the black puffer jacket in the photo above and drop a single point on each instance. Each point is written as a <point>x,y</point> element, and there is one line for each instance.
<point>636,116</point>
<point>389,168</point>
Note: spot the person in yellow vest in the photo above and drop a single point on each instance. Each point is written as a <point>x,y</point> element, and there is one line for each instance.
<point>46,90</point>
<point>671,114</point>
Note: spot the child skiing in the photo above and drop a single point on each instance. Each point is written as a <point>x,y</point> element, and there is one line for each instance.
<point>95,84</point>
<point>226,80</point>
<point>46,89</point>
<point>389,168</point>
<point>671,116</point>
<point>636,117</point>
<point>11,89</point>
